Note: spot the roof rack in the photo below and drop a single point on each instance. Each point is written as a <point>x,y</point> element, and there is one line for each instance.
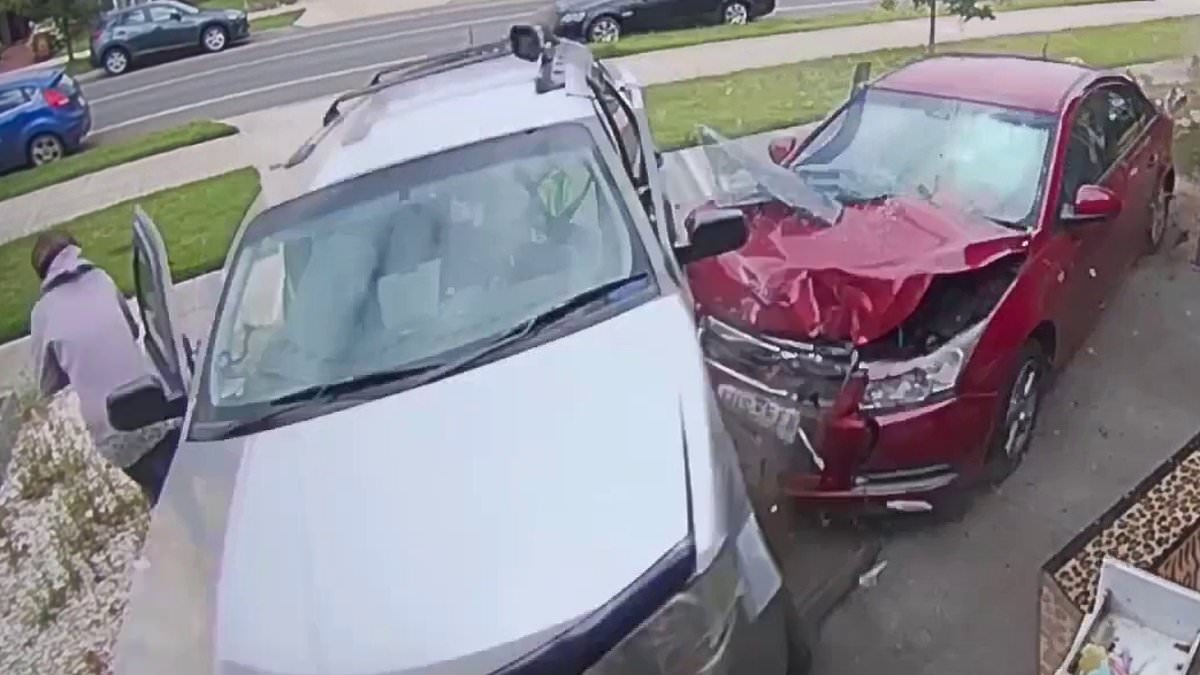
<point>527,42</point>
<point>412,70</point>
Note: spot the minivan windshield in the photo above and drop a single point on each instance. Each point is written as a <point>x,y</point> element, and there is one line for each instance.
<point>983,159</point>
<point>413,266</point>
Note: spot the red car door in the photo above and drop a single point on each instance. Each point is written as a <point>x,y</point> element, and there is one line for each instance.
<point>1136,155</point>
<point>1081,250</point>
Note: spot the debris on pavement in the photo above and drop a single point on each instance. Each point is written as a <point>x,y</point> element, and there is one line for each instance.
<point>870,578</point>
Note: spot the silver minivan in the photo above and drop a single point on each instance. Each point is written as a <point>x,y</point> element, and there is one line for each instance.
<point>452,416</point>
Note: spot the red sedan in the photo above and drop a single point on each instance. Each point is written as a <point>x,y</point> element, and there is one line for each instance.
<point>918,266</point>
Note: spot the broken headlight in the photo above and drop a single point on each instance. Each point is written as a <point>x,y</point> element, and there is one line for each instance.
<point>894,384</point>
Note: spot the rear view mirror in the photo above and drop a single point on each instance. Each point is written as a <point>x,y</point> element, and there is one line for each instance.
<point>784,150</point>
<point>713,232</point>
<point>176,16</point>
<point>142,403</point>
<point>1093,202</point>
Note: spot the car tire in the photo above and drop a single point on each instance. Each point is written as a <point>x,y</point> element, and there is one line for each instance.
<point>45,149</point>
<point>735,13</point>
<point>1020,407</point>
<point>1160,219</point>
<point>117,61</point>
<point>604,29</point>
<point>214,39</point>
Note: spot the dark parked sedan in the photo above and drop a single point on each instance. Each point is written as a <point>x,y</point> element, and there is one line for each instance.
<point>125,36</point>
<point>607,20</point>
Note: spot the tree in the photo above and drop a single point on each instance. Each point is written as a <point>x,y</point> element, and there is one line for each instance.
<point>66,15</point>
<point>966,9</point>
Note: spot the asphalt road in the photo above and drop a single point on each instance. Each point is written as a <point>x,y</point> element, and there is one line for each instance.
<point>290,66</point>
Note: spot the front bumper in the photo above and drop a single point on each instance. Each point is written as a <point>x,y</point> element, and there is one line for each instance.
<point>240,30</point>
<point>834,458</point>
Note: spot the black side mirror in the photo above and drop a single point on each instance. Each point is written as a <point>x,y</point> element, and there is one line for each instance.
<point>141,403</point>
<point>713,232</point>
<point>176,16</point>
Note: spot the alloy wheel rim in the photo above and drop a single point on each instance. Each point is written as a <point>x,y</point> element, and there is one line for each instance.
<point>46,150</point>
<point>214,39</point>
<point>116,62</point>
<point>736,14</point>
<point>1158,219</point>
<point>1023,403</point>
<point>605,30</point>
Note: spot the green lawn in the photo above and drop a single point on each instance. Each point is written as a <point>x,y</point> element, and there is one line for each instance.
<point>276,21</point>
<point>198,221</point>
<point>649,42</point>
<point>752,101</point>
<point>107,156</point>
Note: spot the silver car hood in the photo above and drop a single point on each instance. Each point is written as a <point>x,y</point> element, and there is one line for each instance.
<point>450,528</point>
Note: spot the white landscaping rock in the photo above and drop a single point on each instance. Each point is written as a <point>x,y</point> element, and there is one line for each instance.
<point>70,525</point>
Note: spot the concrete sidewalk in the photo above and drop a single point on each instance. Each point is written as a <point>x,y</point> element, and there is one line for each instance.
<point>722,58</point>
<point>266,138</point>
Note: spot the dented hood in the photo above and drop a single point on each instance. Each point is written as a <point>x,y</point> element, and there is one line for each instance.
<point>816,268</point>
<point>855,279</point>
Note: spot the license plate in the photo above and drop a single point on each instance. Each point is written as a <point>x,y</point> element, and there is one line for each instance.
<point>761,411</point>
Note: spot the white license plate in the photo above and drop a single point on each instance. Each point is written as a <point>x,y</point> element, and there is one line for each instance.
<point>763,412</point>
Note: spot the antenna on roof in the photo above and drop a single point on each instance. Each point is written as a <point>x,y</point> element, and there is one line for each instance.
<point>1045,48</point>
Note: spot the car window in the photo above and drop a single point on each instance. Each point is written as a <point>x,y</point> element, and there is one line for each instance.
<point>417,262</point>
<point>132,18</point>
<point>984,159</point>
<point>1127,114</point>
<point>1087,157</point>
<point>12,98</point>
<point>627,132</point>
<point>161,14</point>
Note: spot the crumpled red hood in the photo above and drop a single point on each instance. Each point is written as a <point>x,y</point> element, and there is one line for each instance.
<point>857,280</point>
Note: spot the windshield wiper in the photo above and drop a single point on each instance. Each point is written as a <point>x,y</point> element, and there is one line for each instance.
<point>530,326</point>
<point>326,394</point>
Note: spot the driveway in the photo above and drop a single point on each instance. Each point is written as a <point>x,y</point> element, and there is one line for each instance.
<point>961,597</point>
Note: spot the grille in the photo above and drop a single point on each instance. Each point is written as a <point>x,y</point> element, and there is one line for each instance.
<point>777,389</point>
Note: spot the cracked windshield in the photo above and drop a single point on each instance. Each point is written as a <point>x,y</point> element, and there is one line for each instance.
<point>599,337</point>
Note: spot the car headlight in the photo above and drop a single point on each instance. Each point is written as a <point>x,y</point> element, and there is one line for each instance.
<point>894,384</point>
<point>234,14</point>
<point>688,635</point>
<point>572,17</point>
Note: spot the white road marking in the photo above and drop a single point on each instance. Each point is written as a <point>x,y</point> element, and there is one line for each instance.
<point>260,90</point>
<point>289,55</point>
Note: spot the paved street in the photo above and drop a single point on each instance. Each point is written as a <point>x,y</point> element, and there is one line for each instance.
<point>961,597</point>
<point>290,66</point>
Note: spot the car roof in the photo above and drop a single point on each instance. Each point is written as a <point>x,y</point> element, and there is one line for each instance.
<point>434,113</point>
<point>44,77</point>
<point>1010,81</point>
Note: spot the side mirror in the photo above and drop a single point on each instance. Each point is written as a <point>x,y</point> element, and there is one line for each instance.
<point>1092,203</point>
<point>141,403</point>
<point>713,232</point>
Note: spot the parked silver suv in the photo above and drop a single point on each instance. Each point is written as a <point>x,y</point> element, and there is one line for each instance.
<point>452,416</point>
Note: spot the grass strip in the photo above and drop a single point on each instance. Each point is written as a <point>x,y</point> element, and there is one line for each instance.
<point>197,220</point>
<point>753,101</point>
<point>109,155</point>
<point>674,39</point>
<point>276,21</point>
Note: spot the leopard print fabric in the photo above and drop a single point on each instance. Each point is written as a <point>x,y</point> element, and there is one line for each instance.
<point>1144,534</point>
<point>1059,621</point>
<point>1182,566</point>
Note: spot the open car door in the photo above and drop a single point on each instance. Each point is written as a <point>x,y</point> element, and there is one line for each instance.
<point>153,287</point>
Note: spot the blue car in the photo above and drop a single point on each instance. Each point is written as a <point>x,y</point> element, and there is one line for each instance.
<point>43,118</point>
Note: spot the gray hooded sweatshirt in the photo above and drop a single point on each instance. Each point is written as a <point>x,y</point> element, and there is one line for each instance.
<point>84,335</point>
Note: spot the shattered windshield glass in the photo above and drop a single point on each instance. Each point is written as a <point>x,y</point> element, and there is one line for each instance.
<point>983,159</point>
<point>741,178</point>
